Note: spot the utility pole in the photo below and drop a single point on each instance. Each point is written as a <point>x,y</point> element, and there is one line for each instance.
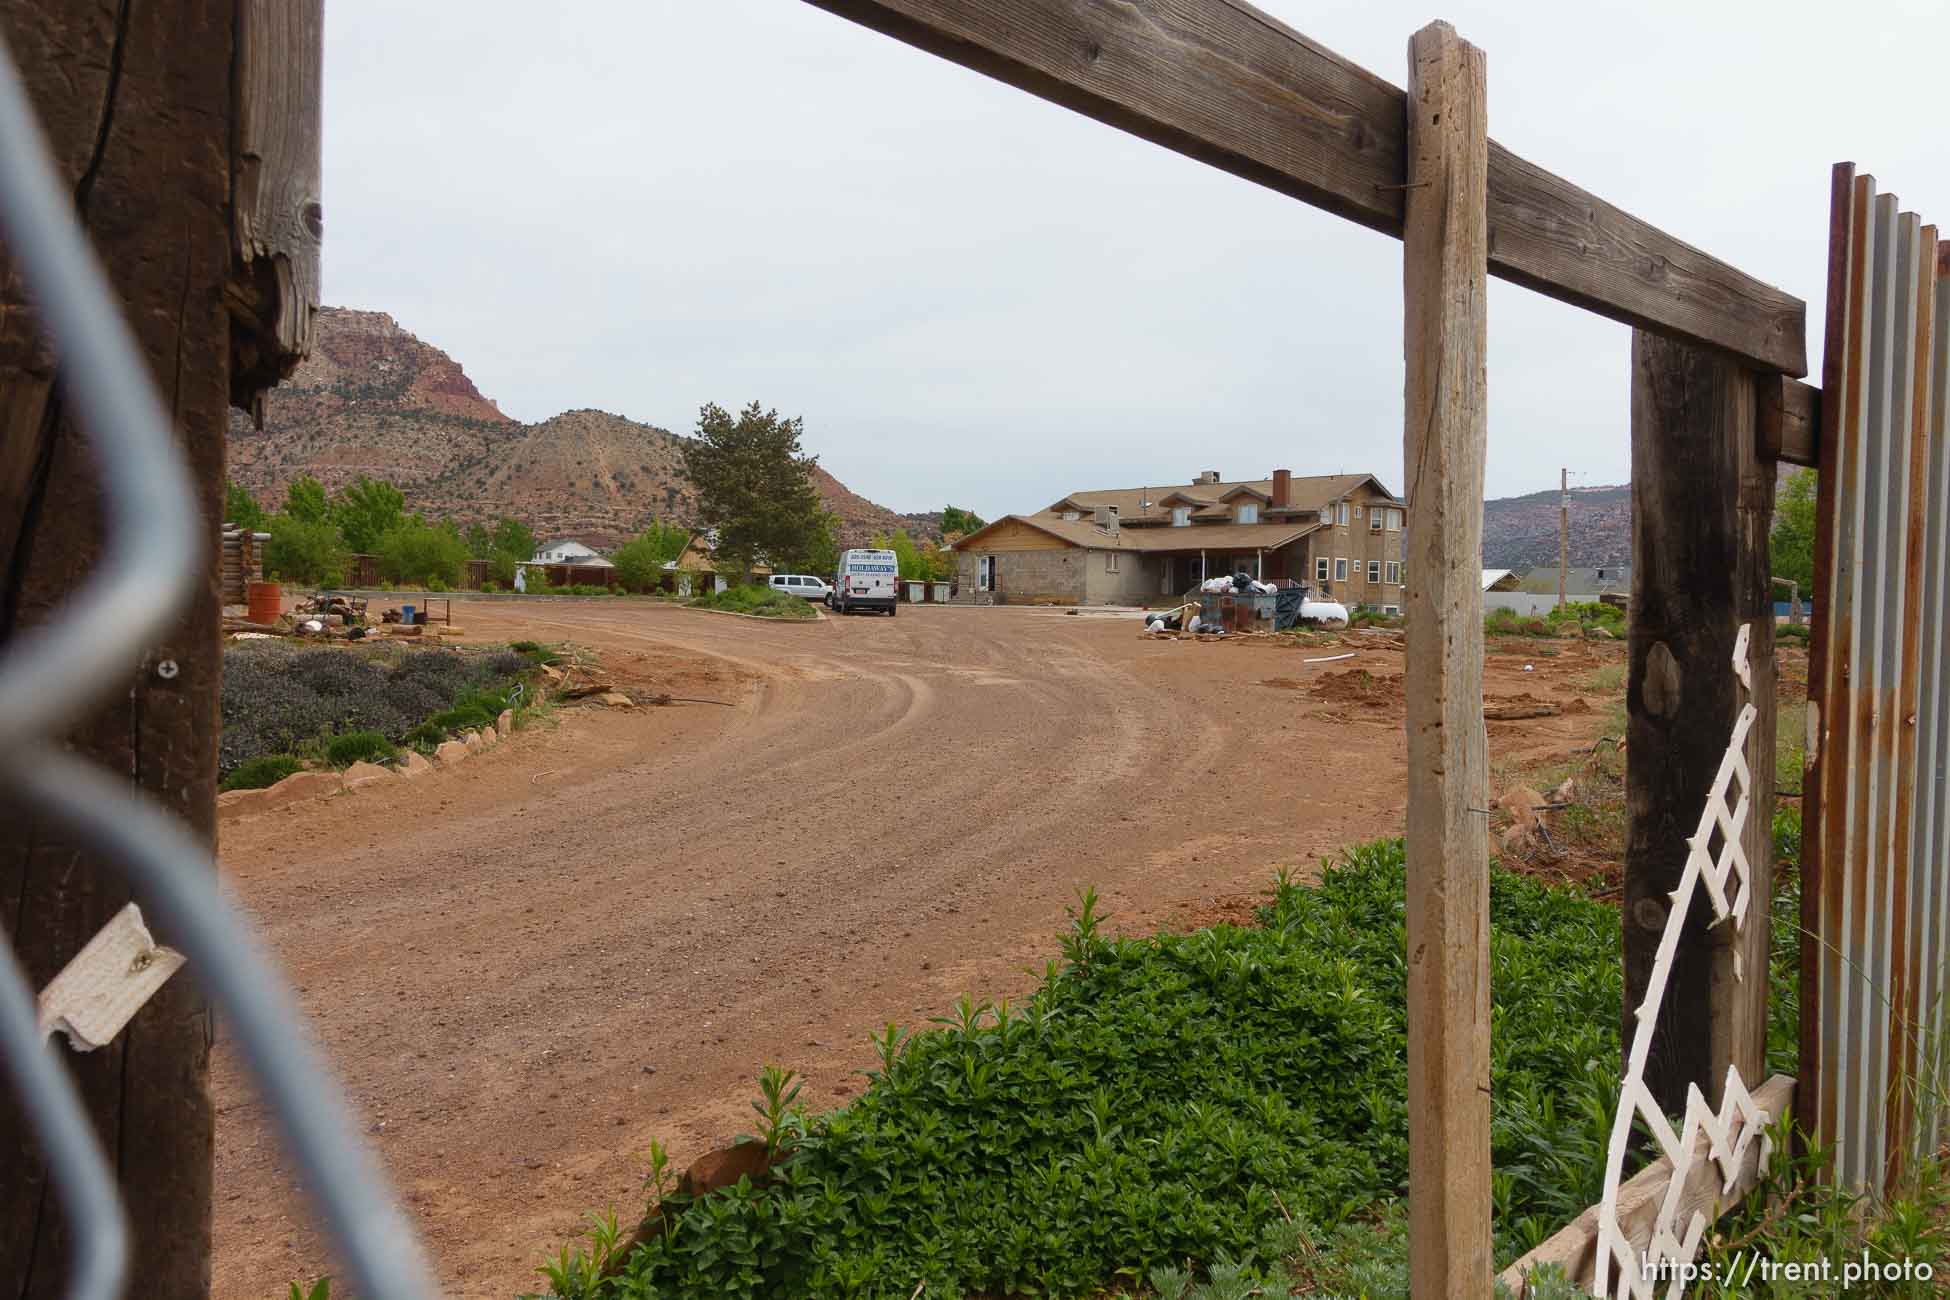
<point>1563,531</point>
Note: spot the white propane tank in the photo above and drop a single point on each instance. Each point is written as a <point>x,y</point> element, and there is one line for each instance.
<point>1323,613</point>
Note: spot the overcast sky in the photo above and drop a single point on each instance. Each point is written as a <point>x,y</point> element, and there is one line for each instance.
<point>977,297</point>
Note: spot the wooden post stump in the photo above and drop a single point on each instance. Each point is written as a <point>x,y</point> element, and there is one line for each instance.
<point>1700,569</point>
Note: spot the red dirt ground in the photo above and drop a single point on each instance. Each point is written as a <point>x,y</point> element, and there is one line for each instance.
<point>527,966</point>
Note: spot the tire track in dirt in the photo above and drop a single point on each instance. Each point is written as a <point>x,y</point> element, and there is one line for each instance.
<point>526,967</point>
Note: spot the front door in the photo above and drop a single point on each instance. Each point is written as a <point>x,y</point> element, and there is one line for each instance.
<point>986,582</point>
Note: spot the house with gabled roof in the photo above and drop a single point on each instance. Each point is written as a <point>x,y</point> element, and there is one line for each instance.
<point>1338,534</point>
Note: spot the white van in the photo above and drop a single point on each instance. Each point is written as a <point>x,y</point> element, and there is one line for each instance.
<point>866,580</point>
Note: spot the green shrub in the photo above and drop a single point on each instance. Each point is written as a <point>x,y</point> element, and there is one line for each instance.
<point>307,552</point>
<point>463,718</point>
<point>1800,632</point>
<point>256,773</point>
<point>751,598</point>
<point>423,553</point>
<point>358,747</point>
<point>1153,1097</point>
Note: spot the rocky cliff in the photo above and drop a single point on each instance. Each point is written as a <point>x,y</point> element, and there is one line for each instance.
<point>373,399</point>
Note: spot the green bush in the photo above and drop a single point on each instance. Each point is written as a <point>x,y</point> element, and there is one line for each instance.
<point>1588,614</point>
<point>461,718</point>
<point>750,598</point>
<point>358,747</point>
<point>305,551</point>
<point>256,773</point>
<point>1800,632</point>
<point>418,552</point>
<point>1152,1099</point>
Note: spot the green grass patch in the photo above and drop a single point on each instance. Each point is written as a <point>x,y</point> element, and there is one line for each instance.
<point>359,747</point>
<point>760,602</point>
<point>266,769</point>
<point>1166,1099</point>
<point>1606,679</point>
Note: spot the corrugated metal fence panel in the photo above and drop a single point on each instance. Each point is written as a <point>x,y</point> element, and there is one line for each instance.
<point>1930,917</point>
<point>1879,719</point>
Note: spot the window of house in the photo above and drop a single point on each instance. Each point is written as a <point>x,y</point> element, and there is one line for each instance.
<point>1394,521</point>
<point>1327,515</point>
<point>1340,569</point>
<point>1375,519</point>
<point>1320,568</point>
<point>1248,512</point>
<point>1391,609</point>
<point>1181,516</point>
<point>1374,570</point>
<point>1110,561</point>
<point>1394,572</point>
<point>1340,515</point>
<point>1073,515</point>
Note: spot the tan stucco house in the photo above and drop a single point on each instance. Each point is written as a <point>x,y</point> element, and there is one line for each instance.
<point>1340,534</point>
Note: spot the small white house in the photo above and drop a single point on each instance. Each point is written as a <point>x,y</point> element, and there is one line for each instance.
<point>567,550</point>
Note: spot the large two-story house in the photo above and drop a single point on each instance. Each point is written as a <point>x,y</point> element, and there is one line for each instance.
<point>1341,534</point>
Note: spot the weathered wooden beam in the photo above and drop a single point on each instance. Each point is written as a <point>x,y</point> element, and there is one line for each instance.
<point>1445,436</point>
<point>1700,569</point>
<point>136,103</point>
<point>1219,81</point>
<point>1790,420</point>
<point>1574,1247</point>
<point>273,293</point>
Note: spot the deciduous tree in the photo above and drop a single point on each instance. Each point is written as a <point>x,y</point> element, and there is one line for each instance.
<point>1792,543</point>
<point>640,561</point>
<point>366,511</point>
<point>305,551</point>
<point>305,501</point>
<point>241,508</point>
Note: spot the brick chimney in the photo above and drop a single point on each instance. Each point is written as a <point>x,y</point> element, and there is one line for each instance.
<point>1282,489</point>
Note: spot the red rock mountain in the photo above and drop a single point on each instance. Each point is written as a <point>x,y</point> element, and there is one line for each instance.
<point>372,399</point>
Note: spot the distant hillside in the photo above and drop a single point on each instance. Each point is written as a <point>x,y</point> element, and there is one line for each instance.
<point>1519,531</point>
<point>372,399</point>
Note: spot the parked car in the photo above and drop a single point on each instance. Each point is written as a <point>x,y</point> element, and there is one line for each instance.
<point>866,580</point>
<point>802,584</point>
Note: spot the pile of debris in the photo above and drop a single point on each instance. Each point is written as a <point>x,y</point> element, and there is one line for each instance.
<point>1528,830</point>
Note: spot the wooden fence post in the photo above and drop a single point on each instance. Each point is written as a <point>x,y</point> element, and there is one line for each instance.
<point>1444,285</point>
<point>1700,569</point>
<point>138,105</point>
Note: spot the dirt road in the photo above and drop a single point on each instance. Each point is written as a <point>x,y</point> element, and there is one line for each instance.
<point>527,966</point>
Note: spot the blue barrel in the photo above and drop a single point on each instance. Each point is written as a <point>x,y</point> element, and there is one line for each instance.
<point>406,614</point>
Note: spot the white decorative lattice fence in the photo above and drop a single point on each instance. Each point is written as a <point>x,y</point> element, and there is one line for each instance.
<point>1718,862</point>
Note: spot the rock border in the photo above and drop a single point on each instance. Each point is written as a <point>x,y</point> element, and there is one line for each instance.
<point>301,787</point>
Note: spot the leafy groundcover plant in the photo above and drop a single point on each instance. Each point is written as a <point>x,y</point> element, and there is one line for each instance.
<point>1163,1109</point>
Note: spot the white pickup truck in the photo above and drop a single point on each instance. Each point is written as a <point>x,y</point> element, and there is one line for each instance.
<point>866,580</point>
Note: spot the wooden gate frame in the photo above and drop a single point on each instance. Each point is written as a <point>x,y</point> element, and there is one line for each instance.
<point>1716,360</point>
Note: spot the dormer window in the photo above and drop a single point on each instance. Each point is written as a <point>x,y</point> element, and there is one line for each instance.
<point>1247,513</point>
<point>1340,514</point>
<point>1181,516</point>
<point>1073,515</point>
